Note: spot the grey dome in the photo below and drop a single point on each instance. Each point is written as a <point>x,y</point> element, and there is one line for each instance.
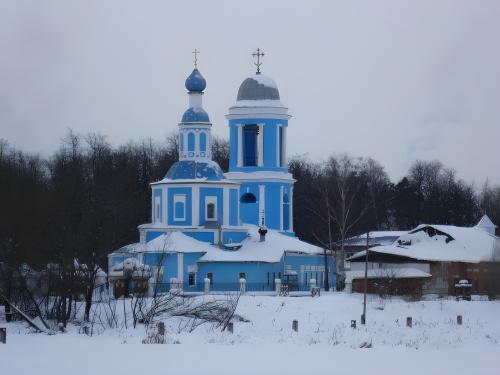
<point>258,87</point>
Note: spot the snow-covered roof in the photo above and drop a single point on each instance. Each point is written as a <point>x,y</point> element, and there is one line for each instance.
<point>178,242</point>
<point>376,238</point>
<point>396,273</point>
<point>271,250</point>
<point>251,250</point>
<point>448,244</point>
<point>486,222</point>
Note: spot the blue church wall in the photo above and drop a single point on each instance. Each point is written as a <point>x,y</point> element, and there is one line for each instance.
<point>151,235</point>
<point>233,207</point>
<point>167,260</point>
<point>249,212</point>
<point>206,236</point>
<point>270,142</point>
<point>233,237</point>
<point>310,267</point>
<point>273,190</point>
<point>205,192</point>
<point>226,275</point>
<point>172,210</point>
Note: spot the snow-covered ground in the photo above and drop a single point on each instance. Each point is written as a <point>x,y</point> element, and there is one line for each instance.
<point>325,342</point>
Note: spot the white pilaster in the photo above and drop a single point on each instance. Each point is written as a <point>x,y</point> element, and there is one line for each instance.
<point>260,147</point>
<point>225,203</point>
<point>238,207</point>
<point>180,267</point>
<point>197,143</point>
<point>165,205</point>
<point>195,204</point>
<point>283,143</point>
<point>240,146</point>
<point>290,197</point>
<point>262,204</point>
<point>278,146</point>
<point>185,139</point>
<point>153,216</point>
<point>281,207</point>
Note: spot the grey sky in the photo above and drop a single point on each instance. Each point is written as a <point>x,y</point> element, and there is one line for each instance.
<point>394,80</point>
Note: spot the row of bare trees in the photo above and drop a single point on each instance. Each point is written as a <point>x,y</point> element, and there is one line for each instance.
<point>73,208</point>
<point>346,196</point>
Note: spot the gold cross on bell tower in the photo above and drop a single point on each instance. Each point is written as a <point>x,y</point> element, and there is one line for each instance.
<point>196,52</point>
<point>259,53</point>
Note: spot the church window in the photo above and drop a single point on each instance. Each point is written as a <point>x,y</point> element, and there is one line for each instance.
<point>243,275</point>
<point>211,208</point>
<point>203,142</point>
<point>250,145</point>
<point>181,142</point>
<point>191,141</point>
<point>179,207</point>
<point>192,279</point>
<point>248,198</point>
<point>210,276</point>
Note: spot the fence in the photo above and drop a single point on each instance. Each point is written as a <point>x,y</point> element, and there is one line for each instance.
<point>227,287</point>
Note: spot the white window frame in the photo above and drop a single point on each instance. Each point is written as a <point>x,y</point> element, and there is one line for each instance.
<point>179,198</point>
<point>208,200</point>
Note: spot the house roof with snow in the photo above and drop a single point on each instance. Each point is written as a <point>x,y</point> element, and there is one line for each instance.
<point>250,250</point>
<point>375,238</point>
<point>445,243</point>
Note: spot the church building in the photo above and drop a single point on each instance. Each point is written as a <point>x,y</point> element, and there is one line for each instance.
<point>225,228</point>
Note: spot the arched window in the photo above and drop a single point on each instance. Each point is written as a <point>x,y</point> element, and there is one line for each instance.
<point>191,142</point>
<point>181,142</point>
<point>248,198</point>
<point>179,207</point>
<point>210,208</point>
<point>211,211</point>
<point>203,142</point>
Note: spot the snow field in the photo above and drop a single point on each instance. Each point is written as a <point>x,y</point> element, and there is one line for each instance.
<point>324,344</point>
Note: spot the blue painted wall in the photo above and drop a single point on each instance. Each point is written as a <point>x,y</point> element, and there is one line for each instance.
<point>205,236</point>
<point>233,206</point>
<point>151,235</point>
<point>233,237</point>
<point>249,212</point>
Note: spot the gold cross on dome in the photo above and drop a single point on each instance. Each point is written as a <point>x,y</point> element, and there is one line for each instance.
<point>196,52</point>
<point>259,53</point>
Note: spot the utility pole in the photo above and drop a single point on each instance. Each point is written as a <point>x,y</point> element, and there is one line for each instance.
<point>363,317</point>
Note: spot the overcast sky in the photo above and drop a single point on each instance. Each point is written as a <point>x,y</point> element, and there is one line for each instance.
<point>393,80</point>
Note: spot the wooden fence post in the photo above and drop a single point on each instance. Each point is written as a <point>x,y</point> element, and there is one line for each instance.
<point>3,335</point>
<point>230,327</point>
<point>353,323</point>
<point>295,325</point>
<point>459,320</point>
<point>409,322</point>
<point>161,328</point>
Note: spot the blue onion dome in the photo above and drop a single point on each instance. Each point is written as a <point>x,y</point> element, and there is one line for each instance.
<point>195,82</point>
<point>195,114</point>
<point>192,169</point>
<point>258,87</point>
